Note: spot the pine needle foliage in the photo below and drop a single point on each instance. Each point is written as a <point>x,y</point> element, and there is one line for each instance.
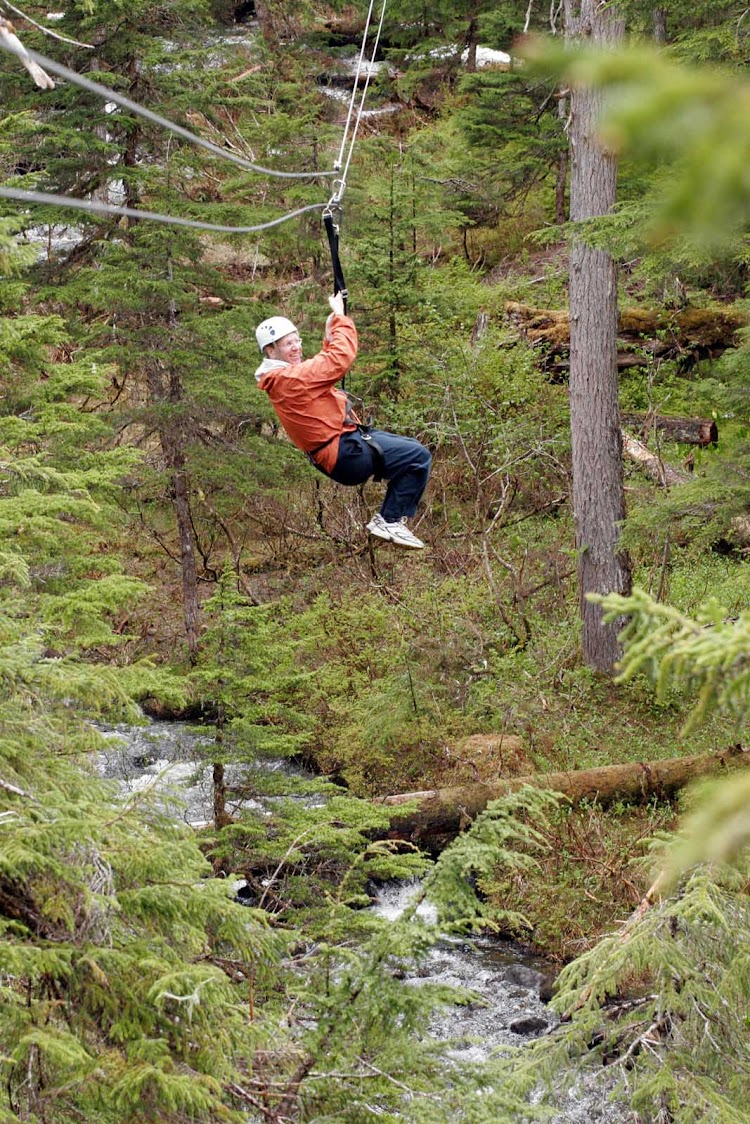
<point>705,658</point>
<point>117,947</point>
<point>663,1002</point>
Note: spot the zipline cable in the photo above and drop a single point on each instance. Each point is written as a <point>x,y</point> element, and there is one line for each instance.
<point>91,206</point>
<point>153,216</point>
<point>141,111</point>
<point>339,185</point>
<point>333,227</point>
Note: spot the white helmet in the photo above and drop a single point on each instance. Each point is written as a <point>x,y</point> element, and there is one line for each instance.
<point>272,330</point>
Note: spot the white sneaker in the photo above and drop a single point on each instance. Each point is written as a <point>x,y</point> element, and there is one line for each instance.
<point>379,528</point>
<point>397,533</point>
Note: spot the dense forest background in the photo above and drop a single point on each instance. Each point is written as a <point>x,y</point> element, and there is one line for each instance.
<point>166,551</point>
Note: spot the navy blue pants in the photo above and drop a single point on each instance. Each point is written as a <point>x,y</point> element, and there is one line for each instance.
<point>405,465</point>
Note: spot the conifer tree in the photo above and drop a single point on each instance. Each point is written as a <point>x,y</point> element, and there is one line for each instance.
<point>141,301</point>
<point>115,943</point>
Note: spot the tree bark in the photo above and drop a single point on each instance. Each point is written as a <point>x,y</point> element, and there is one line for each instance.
<point>472,42</point>
<point>561,179</point>
<point>659,23</point>
<point>172,443</point>
<point>173,446</point>
<point>598,494</point>
<point>441,814</point>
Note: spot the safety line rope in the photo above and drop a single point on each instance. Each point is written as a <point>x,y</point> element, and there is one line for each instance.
<point>355,83</point>
<point>96,207</point>
<point>339,185</point>
<point>364,95</point>
<point>154,216</point>
<point>141,111</point>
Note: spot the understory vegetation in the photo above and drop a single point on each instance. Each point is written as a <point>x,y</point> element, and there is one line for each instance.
<point>165,551</point>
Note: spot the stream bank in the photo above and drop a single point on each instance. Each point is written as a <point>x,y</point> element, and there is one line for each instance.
<point>172,759</point>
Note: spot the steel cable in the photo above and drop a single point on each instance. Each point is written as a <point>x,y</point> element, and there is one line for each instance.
<point>141,111</point>
<point>153,216</point>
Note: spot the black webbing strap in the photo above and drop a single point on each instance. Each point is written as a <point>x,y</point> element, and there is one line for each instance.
<point>332,230</point>
<point>339,284</point>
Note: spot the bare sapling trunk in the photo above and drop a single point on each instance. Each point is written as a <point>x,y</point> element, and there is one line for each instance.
<point>166,387</point>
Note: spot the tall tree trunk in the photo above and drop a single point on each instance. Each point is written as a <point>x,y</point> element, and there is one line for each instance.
<point>174,452</point>
<point>561,182</point>
<point>394,381</point>
<point>598,496</point>
<point>472,41</point>
<point>171,439</point>
<point>660,25</point>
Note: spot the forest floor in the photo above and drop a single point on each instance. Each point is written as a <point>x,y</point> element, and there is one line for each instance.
<point>545,712</point>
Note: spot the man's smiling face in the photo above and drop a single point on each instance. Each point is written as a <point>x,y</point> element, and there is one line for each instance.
<point>288,349</point>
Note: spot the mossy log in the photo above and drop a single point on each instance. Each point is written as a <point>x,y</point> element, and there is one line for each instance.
<point>643,333</point>
<point>688,431</point>
<point>441,814</point>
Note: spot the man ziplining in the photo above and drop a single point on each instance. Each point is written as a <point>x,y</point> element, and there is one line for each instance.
<point>318,418</point>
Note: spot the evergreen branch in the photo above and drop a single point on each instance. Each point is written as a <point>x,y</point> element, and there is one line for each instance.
<point>290,849</point>
<point>708,656</point>
<point>17,791</point>
<point>48,30</point>
<point>394,1081</point>
<point>243,1094</point>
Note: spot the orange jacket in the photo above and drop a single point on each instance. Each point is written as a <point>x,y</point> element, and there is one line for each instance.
<point>307,402</point>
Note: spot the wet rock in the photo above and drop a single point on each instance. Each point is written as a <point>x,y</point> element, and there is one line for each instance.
<point>192,712</point>
<point>143,761</point>
<point>522,976</point>
<point>528,1026</point>
<point>246,894</point>
<point>547,988</point>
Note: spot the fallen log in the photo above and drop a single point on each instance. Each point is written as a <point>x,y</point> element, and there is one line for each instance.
<point>738,535</point>
<point>647,333</point>
<point>688,431</point>
<point>441,814</point>
<point>654,467</point>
